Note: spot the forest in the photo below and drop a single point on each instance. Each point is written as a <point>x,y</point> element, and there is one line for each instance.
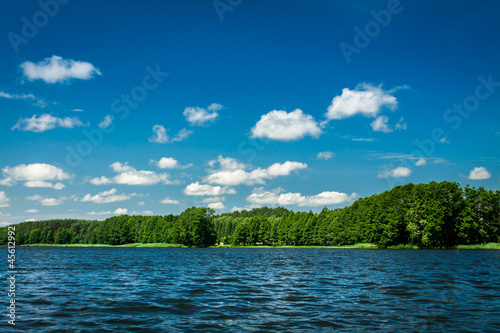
<point>432,215</point>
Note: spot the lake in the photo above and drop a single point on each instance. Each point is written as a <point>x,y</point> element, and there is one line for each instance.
<point>255,290</point>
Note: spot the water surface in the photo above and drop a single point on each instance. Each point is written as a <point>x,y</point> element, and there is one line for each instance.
<point>256,290</point>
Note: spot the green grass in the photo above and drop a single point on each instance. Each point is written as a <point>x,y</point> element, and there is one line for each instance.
<point>403,247</point>
<point>487,246</point>
<point>355,246</point>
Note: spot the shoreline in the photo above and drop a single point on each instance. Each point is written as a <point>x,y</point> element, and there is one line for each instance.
<point>364,246</point>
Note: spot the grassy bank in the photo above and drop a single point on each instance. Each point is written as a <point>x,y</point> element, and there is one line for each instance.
<point>488,246</point>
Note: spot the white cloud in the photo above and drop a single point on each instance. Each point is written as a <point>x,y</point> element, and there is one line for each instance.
<point>56,69</point>
<point>101,181</point>
<point>213,199</point>
<point>202,189</point>
<point>421,162</point>
<point>141,203</point>
<point>283,126</point>
<point>247,207</point>
<point>160,135</point>
<point>35,175</point>
<point>45,122</point>
<point>4,224</point>
<point>444,140</point>
<point>183,133</point>
<point>168,201</point>
<point>398,172</point>
<point>118,211</point>
<point>105,197</point>
<point>128,175</point>
<point>400,125</point>
<point>325,155</point>
<point>31,211</point>
<point>4,214</point>
<point>30,220</point>
<point>233,173</point>
<point>262,197</point>
<point>4,200</point>
<point>27,97</point>
<point>216,205</point>
<point>197,116</point>
<point>380,124</point>
<point>479,173</point>
<point>106,122</point>
<point>169,163</point>
<point>46,201</point>
<point>365,99</point>
<point>42,183</point>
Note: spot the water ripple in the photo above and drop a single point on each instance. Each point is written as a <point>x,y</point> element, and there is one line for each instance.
<point>256,290</point>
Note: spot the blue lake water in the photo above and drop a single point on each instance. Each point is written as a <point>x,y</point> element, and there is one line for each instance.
<point>255,290</point>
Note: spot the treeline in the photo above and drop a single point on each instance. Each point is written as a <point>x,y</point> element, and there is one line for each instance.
<point>433,215</point>
<point>194,227</point>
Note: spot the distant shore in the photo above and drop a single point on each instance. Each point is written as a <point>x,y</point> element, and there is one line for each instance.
<point>488,246</point>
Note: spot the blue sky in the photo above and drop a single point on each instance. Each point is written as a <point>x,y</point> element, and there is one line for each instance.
<point>149,107</point>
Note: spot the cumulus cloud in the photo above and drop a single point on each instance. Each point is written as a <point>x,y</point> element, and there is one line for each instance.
<point>101,181</point>
<point>160,135</point>
<point>479,173</point>
<point>232,172</point>
<point>168,201</point>
<point>365,99</point>
<point>44,201</point>
<point>380,124</point>
<point>4,224</point>
<point>398,172</point>
<point>203,189</point>
<point>45,122</point>
<point>283,126</point>
<point>35,175</point>
<point>118,211</point>
<point>106,122</point>
<point>216,205</point>
<point>42,183</point>
<point>262,197</point>
<point>325,155</point>
<point>128,175</point>
<point>4,200</point>
<point>169,163</point>
<point>105,197</point>
<point>56,69</point>
<point>197,116</point>
<point>421,162</point>
<point>31,211</point>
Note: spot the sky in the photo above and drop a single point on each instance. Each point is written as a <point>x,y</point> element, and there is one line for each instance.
<point>151,107</point>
